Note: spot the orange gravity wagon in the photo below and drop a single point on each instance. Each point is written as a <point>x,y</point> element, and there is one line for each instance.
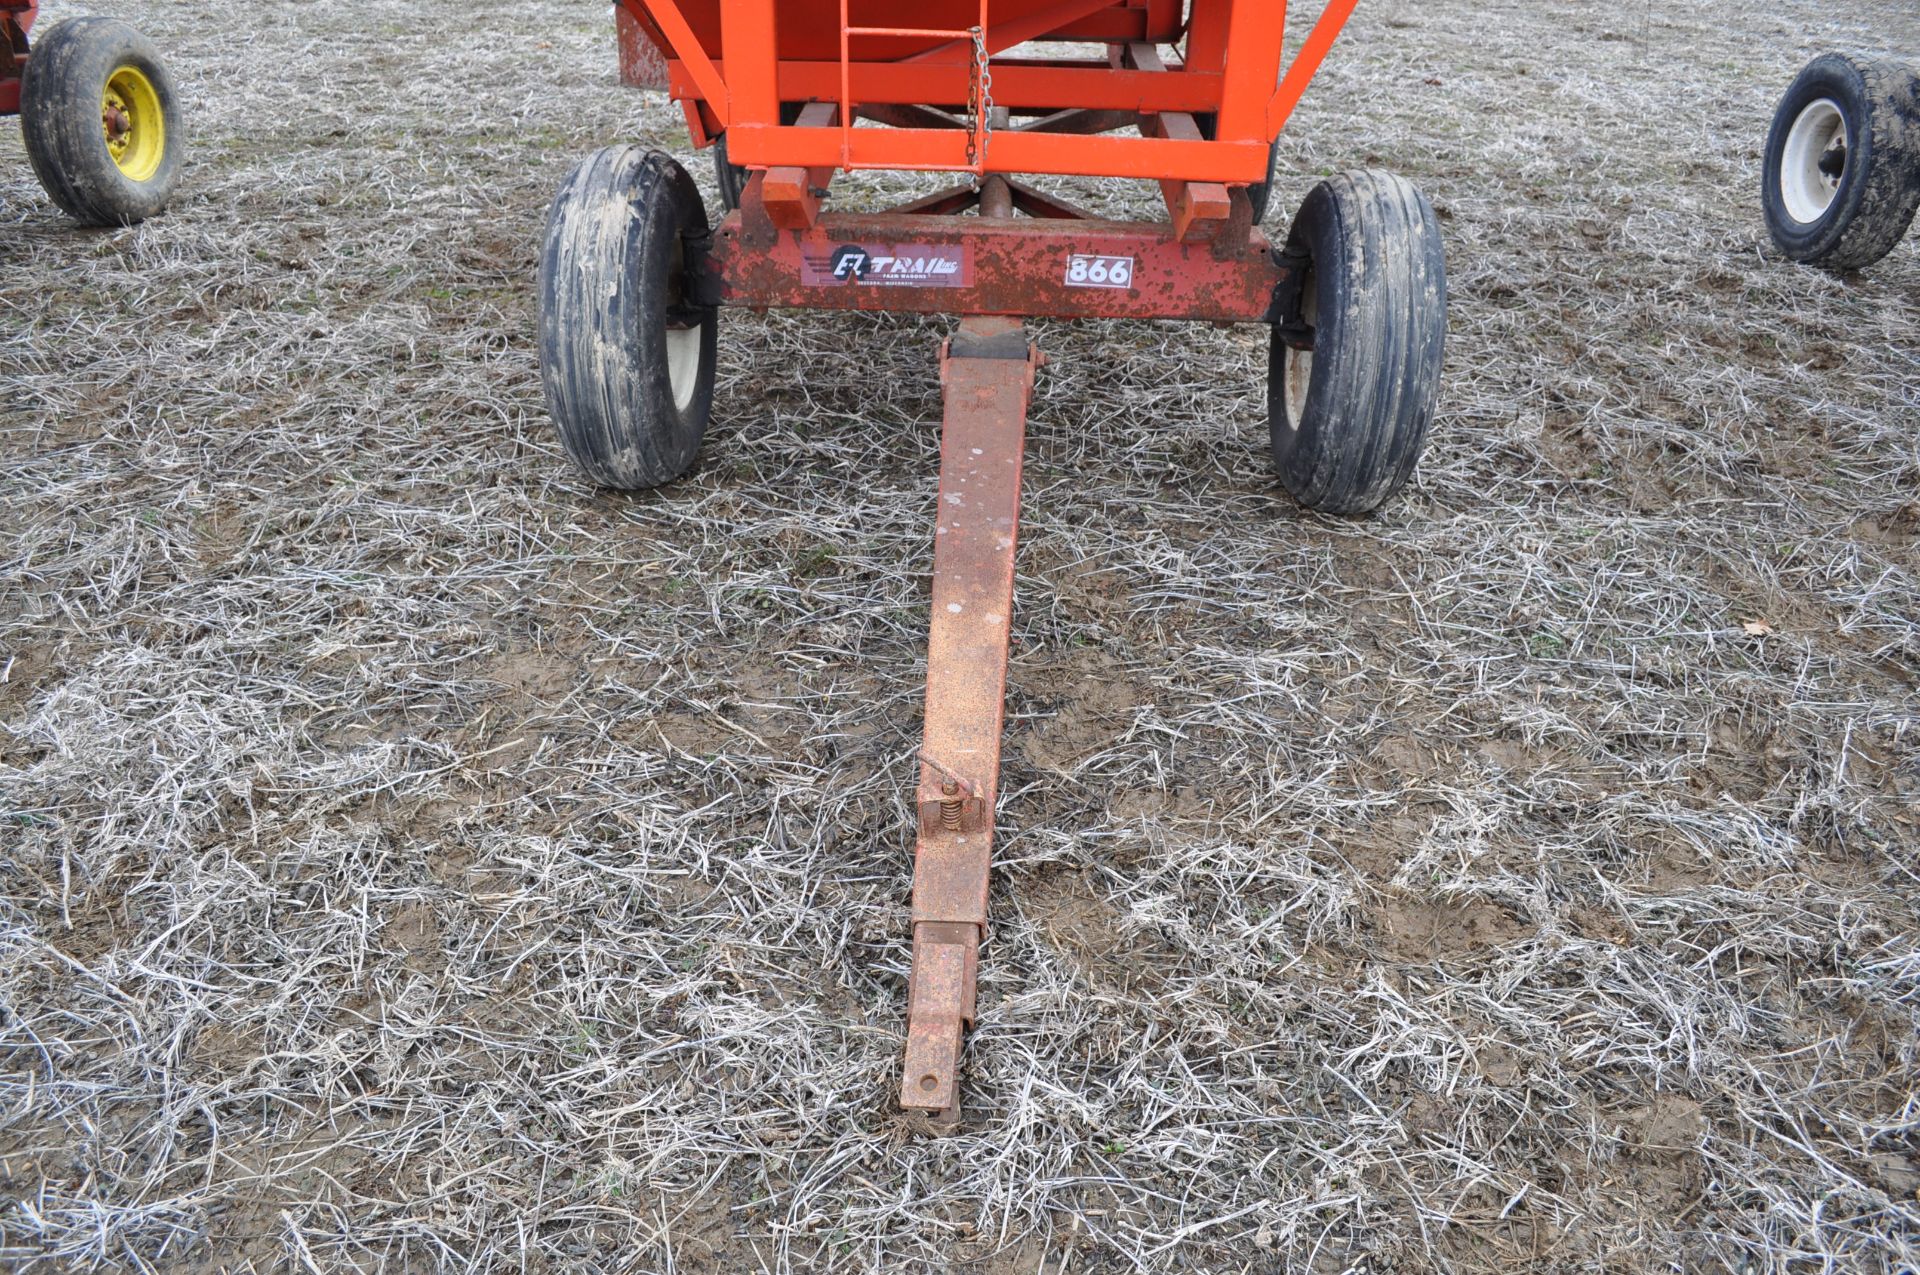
<point>1187,93</point>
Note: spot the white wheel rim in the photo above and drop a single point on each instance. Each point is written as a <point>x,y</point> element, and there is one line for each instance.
<point>683,344</point>
<point>683,365</point>
<point>1299,365</point>
<point>1816,142</point>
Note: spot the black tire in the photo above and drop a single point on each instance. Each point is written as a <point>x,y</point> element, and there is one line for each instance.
<point>1373,297</point>
<point>79,71</point>
<point>1259,194</point>
<point>730,177</point>
<point>626,358</point>
<point>1841,176</point>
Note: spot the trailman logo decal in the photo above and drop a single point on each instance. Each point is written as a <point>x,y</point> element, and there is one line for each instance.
<point>900,265</point>
<point>851,263</point>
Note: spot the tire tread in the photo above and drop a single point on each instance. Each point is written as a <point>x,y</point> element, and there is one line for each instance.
<point>1376,380</point>
<point>603,281</point>
<point>60,121</point>
<point>1866,222</point>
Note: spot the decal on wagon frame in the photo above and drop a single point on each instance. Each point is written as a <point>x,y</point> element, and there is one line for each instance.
<point>1087,271</point>
<point>901,265</point>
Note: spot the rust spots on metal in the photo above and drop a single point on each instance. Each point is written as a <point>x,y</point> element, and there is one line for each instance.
<point>1012,266</point>
<point>977,523</point>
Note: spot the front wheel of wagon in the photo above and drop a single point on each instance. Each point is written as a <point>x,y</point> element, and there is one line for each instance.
<point>1840,178</point>
<point>1354,370</point>
<point>626,353</point>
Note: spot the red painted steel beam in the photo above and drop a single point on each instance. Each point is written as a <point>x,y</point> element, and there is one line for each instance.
<point>689,60</point>
<point>977,265</point>
<point>16,19</point>
<point>1017,84</point>
<point>747,45</point>
<point>1008,151</point>
<point>1206,48</point>
<point>1198,210</point>
<point>1255,34</point>
<point>987,373</point>
<point>788,192</point>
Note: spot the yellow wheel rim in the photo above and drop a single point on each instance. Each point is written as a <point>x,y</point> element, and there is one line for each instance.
<point>135,126</point>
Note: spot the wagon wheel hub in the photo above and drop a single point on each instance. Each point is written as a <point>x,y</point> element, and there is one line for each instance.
<point>118,123</point>
<point>1833,161</point>
<point>133,123</point>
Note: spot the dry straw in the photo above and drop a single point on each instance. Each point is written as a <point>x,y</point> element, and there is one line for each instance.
<point>414,859</point>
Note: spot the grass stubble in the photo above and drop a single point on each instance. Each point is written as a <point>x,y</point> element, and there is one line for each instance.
<point>415,859</point>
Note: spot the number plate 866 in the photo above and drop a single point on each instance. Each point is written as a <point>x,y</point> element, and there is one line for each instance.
<point>1099,272</point>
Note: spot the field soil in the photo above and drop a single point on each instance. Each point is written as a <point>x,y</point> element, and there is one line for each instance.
<point>414,859</point>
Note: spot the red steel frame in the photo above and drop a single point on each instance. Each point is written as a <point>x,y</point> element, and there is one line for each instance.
<point>16,19</point>
<point>1232,64</point>
<point>986,372</point>
<point>782,248</point>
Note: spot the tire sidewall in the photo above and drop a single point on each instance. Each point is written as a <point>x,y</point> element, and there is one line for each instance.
<point>1836,78</point>
<point>60,102</point>
<point>1300,448</point>
<point>1372,246</point>
<point>661,226</point>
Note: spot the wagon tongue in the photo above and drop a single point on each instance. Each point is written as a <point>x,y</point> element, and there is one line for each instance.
<point>987,372</point>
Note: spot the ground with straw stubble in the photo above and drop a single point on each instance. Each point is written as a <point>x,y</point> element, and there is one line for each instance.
<point>417,860</point>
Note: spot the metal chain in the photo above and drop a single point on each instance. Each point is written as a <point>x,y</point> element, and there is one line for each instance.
<point>973,94</point>
<point>986,91</point>
<point>979,98</point>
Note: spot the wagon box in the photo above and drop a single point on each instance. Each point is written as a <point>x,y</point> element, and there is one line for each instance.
<point>789,94</point>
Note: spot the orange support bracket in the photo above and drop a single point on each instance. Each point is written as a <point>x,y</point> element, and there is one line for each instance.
<point>1199,211</point>
<point>686,46</point>
<point>1293,85</point>
<point>1256,36</point>
<point>792,194</point>
<point>987,372</point>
